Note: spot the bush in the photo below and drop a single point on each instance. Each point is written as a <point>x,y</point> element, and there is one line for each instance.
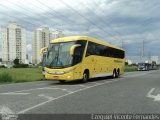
<point>2,66</point>
<point>5,77</point>
<point>21,66</point>
<point>126,63</point>
<point>130,68</point>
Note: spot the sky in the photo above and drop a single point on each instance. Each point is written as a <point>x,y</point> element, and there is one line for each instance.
<point>124,23</point>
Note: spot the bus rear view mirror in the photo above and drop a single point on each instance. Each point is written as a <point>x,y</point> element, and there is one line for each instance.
<point>42,51</point>
<point>73,48</point>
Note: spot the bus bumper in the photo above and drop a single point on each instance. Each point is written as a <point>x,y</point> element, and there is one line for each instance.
<point>67,76</point>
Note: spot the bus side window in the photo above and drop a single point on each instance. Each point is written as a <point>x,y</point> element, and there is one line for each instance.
<point>78,52</point>
<point>91,49</point>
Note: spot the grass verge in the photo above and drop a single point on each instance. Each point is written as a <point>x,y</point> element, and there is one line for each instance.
<point>130,68</point>
<point>15,75</point>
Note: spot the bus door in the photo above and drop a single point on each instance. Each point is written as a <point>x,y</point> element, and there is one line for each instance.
<point>90,63</point>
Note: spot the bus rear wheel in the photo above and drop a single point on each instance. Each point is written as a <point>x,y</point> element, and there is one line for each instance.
<point>118,73</point>
<point>114,74</point>
<point>85,76</point>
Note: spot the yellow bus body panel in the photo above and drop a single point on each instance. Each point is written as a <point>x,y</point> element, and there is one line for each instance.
<point>98,66</point>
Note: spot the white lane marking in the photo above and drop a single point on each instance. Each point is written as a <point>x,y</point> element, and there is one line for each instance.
<point>64,89</point>
<point>149,94</point>
<point>32,89</point>
<point>41,82</point>
<point>5,110</point>
<point>135,75</point>
<point>111,81</point>
<point>26,90</point>
<point>59,89</point>
<point>128,75</point>
<point>55,87</point>
<point>97,83</point>
<point>7,113</point>
<point>72,92</point>
<point>83,85</point>
<point>155,97</point>
<point>45,96</point>
<point>21,91</point>
<point>43,103</point>
<point>13,93</point>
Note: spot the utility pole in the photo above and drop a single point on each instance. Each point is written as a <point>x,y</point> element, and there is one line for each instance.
<point>142,51</point>
<point>122,44</point>
<point>143,48</point>
<point>149,56</point>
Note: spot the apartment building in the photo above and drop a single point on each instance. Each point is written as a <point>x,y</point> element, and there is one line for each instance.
<point>56,34</point>
<point>13,43</point>
<point>41,38</point>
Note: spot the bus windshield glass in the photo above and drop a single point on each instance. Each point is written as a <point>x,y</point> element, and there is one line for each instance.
<point>58,55</point>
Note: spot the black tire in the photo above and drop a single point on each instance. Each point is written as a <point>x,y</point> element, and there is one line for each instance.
<point>118,73</point>
<point>147,69</point>
<point>85,76</point>
<point>62,81</point>
<point>114,74</point>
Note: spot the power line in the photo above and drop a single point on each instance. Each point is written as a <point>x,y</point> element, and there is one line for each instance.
<point>122,39</point>
<point>40,8</point>
<point>67,5</point>
<point>26,10</point>
<point>18,19</point>
<point>18,12</point>
<point>49,13</point>
<point>56,12</point>
<point>53,11</point>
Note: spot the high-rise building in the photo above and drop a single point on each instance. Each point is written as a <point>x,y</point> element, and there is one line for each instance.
<point>13,43</point>
<point>41,38</point>
<point>56,34</point>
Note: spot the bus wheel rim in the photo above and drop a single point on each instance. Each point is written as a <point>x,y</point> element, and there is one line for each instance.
<point>114,74</point>
<point>85,77</point>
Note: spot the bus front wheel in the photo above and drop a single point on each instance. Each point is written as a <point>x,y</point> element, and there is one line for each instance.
<point>85,76</point>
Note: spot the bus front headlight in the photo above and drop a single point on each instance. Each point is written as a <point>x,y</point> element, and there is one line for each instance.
<point>59,73</point>
<point>70,70</point>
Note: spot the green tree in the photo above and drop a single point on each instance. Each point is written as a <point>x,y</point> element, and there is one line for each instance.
<point>16,61</point>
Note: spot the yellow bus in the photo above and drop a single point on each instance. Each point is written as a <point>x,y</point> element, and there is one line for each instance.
<point>82,58</point>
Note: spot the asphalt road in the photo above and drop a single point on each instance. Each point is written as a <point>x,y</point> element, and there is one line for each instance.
<point>136,92</point>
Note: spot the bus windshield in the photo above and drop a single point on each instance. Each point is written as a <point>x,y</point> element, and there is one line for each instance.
<point>58,55</point>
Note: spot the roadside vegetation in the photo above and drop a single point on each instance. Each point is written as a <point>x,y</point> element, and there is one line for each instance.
<point>15,75</point>
<point>130,68</point>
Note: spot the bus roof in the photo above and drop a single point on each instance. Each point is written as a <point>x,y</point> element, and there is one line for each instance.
<point>75,38</point>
